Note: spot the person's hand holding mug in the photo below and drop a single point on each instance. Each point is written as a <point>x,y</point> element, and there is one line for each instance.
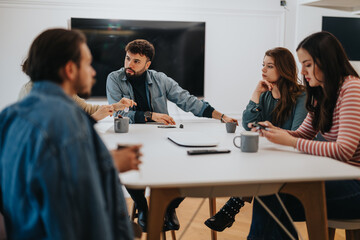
<point>227,119</point>
<point>127,158</point>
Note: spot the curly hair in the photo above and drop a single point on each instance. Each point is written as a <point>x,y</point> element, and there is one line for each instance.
<point>142,47</point>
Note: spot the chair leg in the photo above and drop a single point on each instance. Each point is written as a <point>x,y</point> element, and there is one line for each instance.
<point>134,215</point>
<point>133,212</point>
<point>212,207</point>
<point>331,232</point>
<point>173,236</point>
<point>352,234</point>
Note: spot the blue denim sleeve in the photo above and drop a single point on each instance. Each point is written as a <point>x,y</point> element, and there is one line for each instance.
<point>114,94</point>
<point>182,98</point>
<point>65,189</point>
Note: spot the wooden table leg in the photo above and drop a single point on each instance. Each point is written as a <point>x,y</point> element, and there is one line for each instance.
<point>312,196</point>
<point>159,200</point>
<point>212,207</point>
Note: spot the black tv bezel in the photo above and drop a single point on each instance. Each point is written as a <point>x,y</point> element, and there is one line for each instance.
<point>100,23</point>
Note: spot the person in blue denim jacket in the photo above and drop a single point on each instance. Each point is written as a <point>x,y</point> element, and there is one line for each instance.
<point>58,180</point>
<point>151,89</point>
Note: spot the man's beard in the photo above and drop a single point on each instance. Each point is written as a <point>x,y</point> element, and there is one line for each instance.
<point>81,90</point>
<point>132,76</point>
<point>84,95</point>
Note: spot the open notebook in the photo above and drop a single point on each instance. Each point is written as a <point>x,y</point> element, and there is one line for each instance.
<point>192,139</point>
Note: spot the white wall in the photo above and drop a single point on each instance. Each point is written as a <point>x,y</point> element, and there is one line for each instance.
<point>309,20</point>
<point>238,32</point>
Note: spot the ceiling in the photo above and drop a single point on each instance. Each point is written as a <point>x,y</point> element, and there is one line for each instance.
<point>345,5</point>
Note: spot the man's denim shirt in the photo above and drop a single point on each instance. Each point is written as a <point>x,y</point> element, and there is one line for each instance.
<point>159,87</point>
<point>58,179</point>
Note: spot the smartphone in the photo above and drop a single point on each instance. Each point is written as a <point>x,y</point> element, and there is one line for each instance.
<point>166,126</point>
<point>207,151</point>
<point>121,146</point>
<point>258,126</point>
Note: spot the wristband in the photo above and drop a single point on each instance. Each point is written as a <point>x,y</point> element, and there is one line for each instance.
<point>221,119</point>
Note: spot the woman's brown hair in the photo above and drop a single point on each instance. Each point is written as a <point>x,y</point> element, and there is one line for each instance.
<point>288,84</point>
<point>329,56</point>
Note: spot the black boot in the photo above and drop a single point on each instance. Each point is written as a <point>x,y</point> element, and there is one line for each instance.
<point>226,216</point>
<point>141,205</point>
<point>142,218</point>
<point>171,222</point>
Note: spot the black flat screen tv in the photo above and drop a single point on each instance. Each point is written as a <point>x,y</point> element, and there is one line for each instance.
<point>347,30</point>
<point>179,48</point>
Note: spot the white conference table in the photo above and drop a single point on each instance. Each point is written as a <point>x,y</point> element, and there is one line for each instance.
<point>169,172</point>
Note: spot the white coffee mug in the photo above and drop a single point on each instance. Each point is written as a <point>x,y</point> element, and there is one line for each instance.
<point>249,141</point>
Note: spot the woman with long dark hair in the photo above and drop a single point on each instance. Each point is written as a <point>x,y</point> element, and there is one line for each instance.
<point>333,102</point>
<point>279,98</point>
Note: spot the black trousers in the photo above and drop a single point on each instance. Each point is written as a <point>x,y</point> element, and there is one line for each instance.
<point>140,201</point>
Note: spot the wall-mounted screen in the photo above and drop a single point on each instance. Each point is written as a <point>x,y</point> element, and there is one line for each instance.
<point>179,48</point>
<point>347,30</point>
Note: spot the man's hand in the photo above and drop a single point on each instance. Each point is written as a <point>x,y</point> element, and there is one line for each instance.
<point>127,158</point>
<point>222,117</point>
<point>226,119</point>
<point>103,112</point>
<point>123,103</point>
<point>162,118</point>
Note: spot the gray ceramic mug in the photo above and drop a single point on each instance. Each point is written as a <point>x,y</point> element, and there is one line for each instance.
<point>230,127</point>
<point>121,125</point>
<point>249,141</point>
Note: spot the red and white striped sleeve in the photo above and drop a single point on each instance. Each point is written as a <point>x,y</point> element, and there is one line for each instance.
<point>305,130</point>
<point>346,126</point>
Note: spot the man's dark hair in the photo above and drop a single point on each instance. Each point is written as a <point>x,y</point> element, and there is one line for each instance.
<point>50,51</point>
<point>142,47</point>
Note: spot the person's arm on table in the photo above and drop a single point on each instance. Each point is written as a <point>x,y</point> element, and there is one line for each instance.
<point>343,148</point>
<point>123,103</point>
<point>103,112</point>
<point>222,117</point>
<point>114,94</point>
<point>87,107</point>
<point>162,118</point>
